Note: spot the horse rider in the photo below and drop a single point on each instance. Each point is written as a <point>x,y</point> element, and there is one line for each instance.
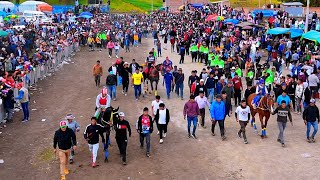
<point>103,99</point>
<point>261,90</point>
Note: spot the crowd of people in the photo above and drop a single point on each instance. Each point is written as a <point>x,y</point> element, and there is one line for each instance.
<point>236,63</point>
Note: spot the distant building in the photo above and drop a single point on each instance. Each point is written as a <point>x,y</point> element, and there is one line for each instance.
<point>295,9</point>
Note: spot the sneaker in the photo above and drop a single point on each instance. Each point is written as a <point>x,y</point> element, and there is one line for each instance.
<point>239,134</point>
<point>148,154</point>
<point>161,141</point>
<point>71,161</point>
<point>63,177</point>
<point>223,138</point>
<point>25,120</point>
<point>283,145</point>
<point>124,163</point>
<point>189,136</point>
<point>309,140</point>
<point>278,140</point>
<point>313,140</point>
<point>125,94</point>
<point>66,171</point>
<point>94,165</point>
<point>213,134</point>
<point>164,135</point>
<point>194,136</point>
<point>246,141</point>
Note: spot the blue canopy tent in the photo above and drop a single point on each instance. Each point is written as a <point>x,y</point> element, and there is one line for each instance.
<point>312,35</point>
<point>85,14</point>
<point>293,32</point>
<point>234,21</point>
<point>278,30</point>
<point>200,6</point>
<point>265,12</point>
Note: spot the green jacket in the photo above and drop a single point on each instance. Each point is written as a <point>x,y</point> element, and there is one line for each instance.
<point>250,74</point>
<point>205,50</point>
<point>201,49</point>
<point>239,72</point>
<point>103,36</point>
<point>194,48</point>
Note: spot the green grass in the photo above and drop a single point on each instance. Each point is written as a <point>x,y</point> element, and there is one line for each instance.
<point>139,6</point>
<point>251,3</point>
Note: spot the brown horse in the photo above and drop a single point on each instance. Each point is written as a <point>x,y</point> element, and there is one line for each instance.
<point>264,110</point>
<point>153,75</point>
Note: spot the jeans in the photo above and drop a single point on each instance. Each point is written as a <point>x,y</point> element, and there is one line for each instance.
<point>94,150</point>
<point>282,126</point>
<point>25,108</point>
<point>211,94</point>
<point>112,91</point>
<point>179,89</point>
<point>298,104</point>
<point>314,124</point>
<point>137,91</point>
<point>194,120</point>
<point>168,89</point>
<point>159,52</point>
<point>122,145</point>
<point>147,136</point>
<point>9,112</point>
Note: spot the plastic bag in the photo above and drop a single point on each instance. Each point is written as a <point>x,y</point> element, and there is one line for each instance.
<point>119,80</point>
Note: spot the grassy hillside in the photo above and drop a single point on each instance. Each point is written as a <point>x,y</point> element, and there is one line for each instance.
<point>250,3</point>
<point>134,5</point>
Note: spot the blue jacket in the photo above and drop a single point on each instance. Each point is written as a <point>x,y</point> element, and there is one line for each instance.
<point>219,87</point>
<point>217,111</point>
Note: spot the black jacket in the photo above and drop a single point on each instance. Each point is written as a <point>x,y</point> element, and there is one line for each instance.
<point>64,139</point>
<point>201,88</point>
<point>111,80</point>
<point>125,75</point>
<point>311,114</point>
<point>121,128</point>
<point>140,124</point>
<point>92,132</point>
<point>156,118</point>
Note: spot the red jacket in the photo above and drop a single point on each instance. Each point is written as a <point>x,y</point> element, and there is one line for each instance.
<point>237,84</point>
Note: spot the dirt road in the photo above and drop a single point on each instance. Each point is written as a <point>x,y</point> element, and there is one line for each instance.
<point>28,154</point>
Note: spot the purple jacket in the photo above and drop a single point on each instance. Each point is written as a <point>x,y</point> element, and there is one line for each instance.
<point>191,109</point>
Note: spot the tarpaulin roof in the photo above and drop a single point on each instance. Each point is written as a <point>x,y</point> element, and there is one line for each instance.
<point>234,21</point>
<point>293,32</point>
<point>312,35</point>
<point>265,12</point>
<point>196,5</point>
<point>45,8</point>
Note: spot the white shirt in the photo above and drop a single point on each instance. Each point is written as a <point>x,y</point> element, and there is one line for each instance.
<point>202,102</point>
<point>162,116</point>
<point>155,106</point>
<point>243,113</point>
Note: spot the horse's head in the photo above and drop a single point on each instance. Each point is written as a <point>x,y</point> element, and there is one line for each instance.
<point>159,67</point>
<point>269,102</point>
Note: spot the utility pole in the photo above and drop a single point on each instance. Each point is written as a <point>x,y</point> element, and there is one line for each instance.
<point>307,17</point>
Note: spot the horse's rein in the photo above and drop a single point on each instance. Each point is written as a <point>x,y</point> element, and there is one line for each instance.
<point>265,107</point>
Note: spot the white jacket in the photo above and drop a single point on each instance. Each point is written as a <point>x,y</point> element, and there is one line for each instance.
<point>98,105</point>
<point>299,91</point>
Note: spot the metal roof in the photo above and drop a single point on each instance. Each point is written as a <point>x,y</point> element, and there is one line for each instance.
<point>292,4</point>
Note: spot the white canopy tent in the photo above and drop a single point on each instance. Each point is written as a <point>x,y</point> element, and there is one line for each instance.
<point>30,6</point>
<point>7,5</point>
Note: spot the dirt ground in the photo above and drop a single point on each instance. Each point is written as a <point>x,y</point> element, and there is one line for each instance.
<point>28,154</point>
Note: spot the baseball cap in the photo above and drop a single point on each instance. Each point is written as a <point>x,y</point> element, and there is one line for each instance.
<point>201,80</point>
<point>121,114</point>
<point>219,96</point>
<point>63,124</point>
<point>312,101</point>
<point>69,116</point>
